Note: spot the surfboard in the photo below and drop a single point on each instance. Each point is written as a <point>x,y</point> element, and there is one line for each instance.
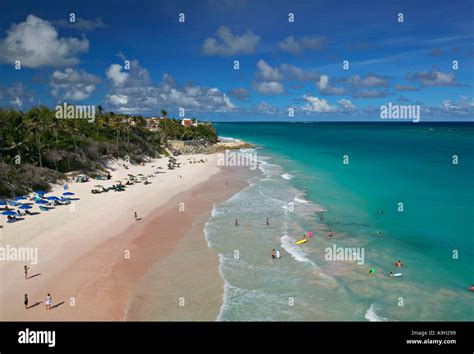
<point>277,254</point>
<point>301,241</point>
<point>397,274</point>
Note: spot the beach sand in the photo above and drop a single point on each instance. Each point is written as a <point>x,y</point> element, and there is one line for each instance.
<point>98,263</point>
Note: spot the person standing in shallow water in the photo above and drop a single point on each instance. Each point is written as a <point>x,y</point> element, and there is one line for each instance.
<point>267,222</point>
<point>26,271</point>
<point>236,222</point>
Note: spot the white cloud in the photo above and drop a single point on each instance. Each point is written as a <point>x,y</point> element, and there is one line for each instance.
<point>36,43</point>
<point>117,100</point>
<point>434,78</point>
<point>266,108</point>
<point>368,81</point>
<point>138,94</point>
<point>318,105</point>
<point>16,95</point>
<point>227,43</point>
<point>463,105</point>
<point>72,84</point>
<point>17,102</point>
<point>115,73</point>
<point>294,46</point>
<point>325,88</point>
<point>268,73</point>
<point>295,73</point>
<point>346,105</point>
<point>268,87</point>
<point>323,82</point>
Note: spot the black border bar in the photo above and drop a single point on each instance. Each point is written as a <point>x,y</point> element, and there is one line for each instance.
<point>208,337</point>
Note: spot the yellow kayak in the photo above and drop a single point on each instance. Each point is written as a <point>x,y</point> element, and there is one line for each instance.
<point>301,241</point>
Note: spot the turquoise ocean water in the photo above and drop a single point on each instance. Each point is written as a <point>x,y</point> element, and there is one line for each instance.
<point>303,177</point>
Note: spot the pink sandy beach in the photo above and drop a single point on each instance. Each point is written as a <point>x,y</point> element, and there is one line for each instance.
<point>98,263</point>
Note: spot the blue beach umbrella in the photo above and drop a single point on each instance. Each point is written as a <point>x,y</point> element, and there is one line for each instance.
<point>68,193</point>
<point>52,198</point>
<point>9,212</point>
<point>41,201</point>
<point>3,202</point>
<point>40,192</point>
<point>25,207</point>
<point>20,198</point>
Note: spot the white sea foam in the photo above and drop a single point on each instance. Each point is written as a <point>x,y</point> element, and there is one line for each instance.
<point>300,200</point>
<point>229,139</point>
<point>287,176</point>
<point>225,296</point>
<point>372,315</point>
<point>294,250</point>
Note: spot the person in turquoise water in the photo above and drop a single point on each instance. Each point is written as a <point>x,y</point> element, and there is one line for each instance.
<point>398,264</point>
<point>372,271</point>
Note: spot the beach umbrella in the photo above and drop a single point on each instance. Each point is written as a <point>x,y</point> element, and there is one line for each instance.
<point>52,198</point>
<point>24,207</point>
<point>9,212</point>
<point>41,201</point>
<point>3,202</point>
<point>40,192</point>
<point>20,198</point>
<point>68,193</point>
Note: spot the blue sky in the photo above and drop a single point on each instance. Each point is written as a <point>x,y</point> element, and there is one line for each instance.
<point>283,64</point>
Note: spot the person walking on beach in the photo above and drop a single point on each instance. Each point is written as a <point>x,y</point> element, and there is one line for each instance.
<point>48,302</point>
<point>26,271</point>
<point>236,222</point>
<point>26,302</point>
<point>136,216</point>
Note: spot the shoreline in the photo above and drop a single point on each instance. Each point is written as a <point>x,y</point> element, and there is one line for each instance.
<point>174,287</point>
<point>83,262</point>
